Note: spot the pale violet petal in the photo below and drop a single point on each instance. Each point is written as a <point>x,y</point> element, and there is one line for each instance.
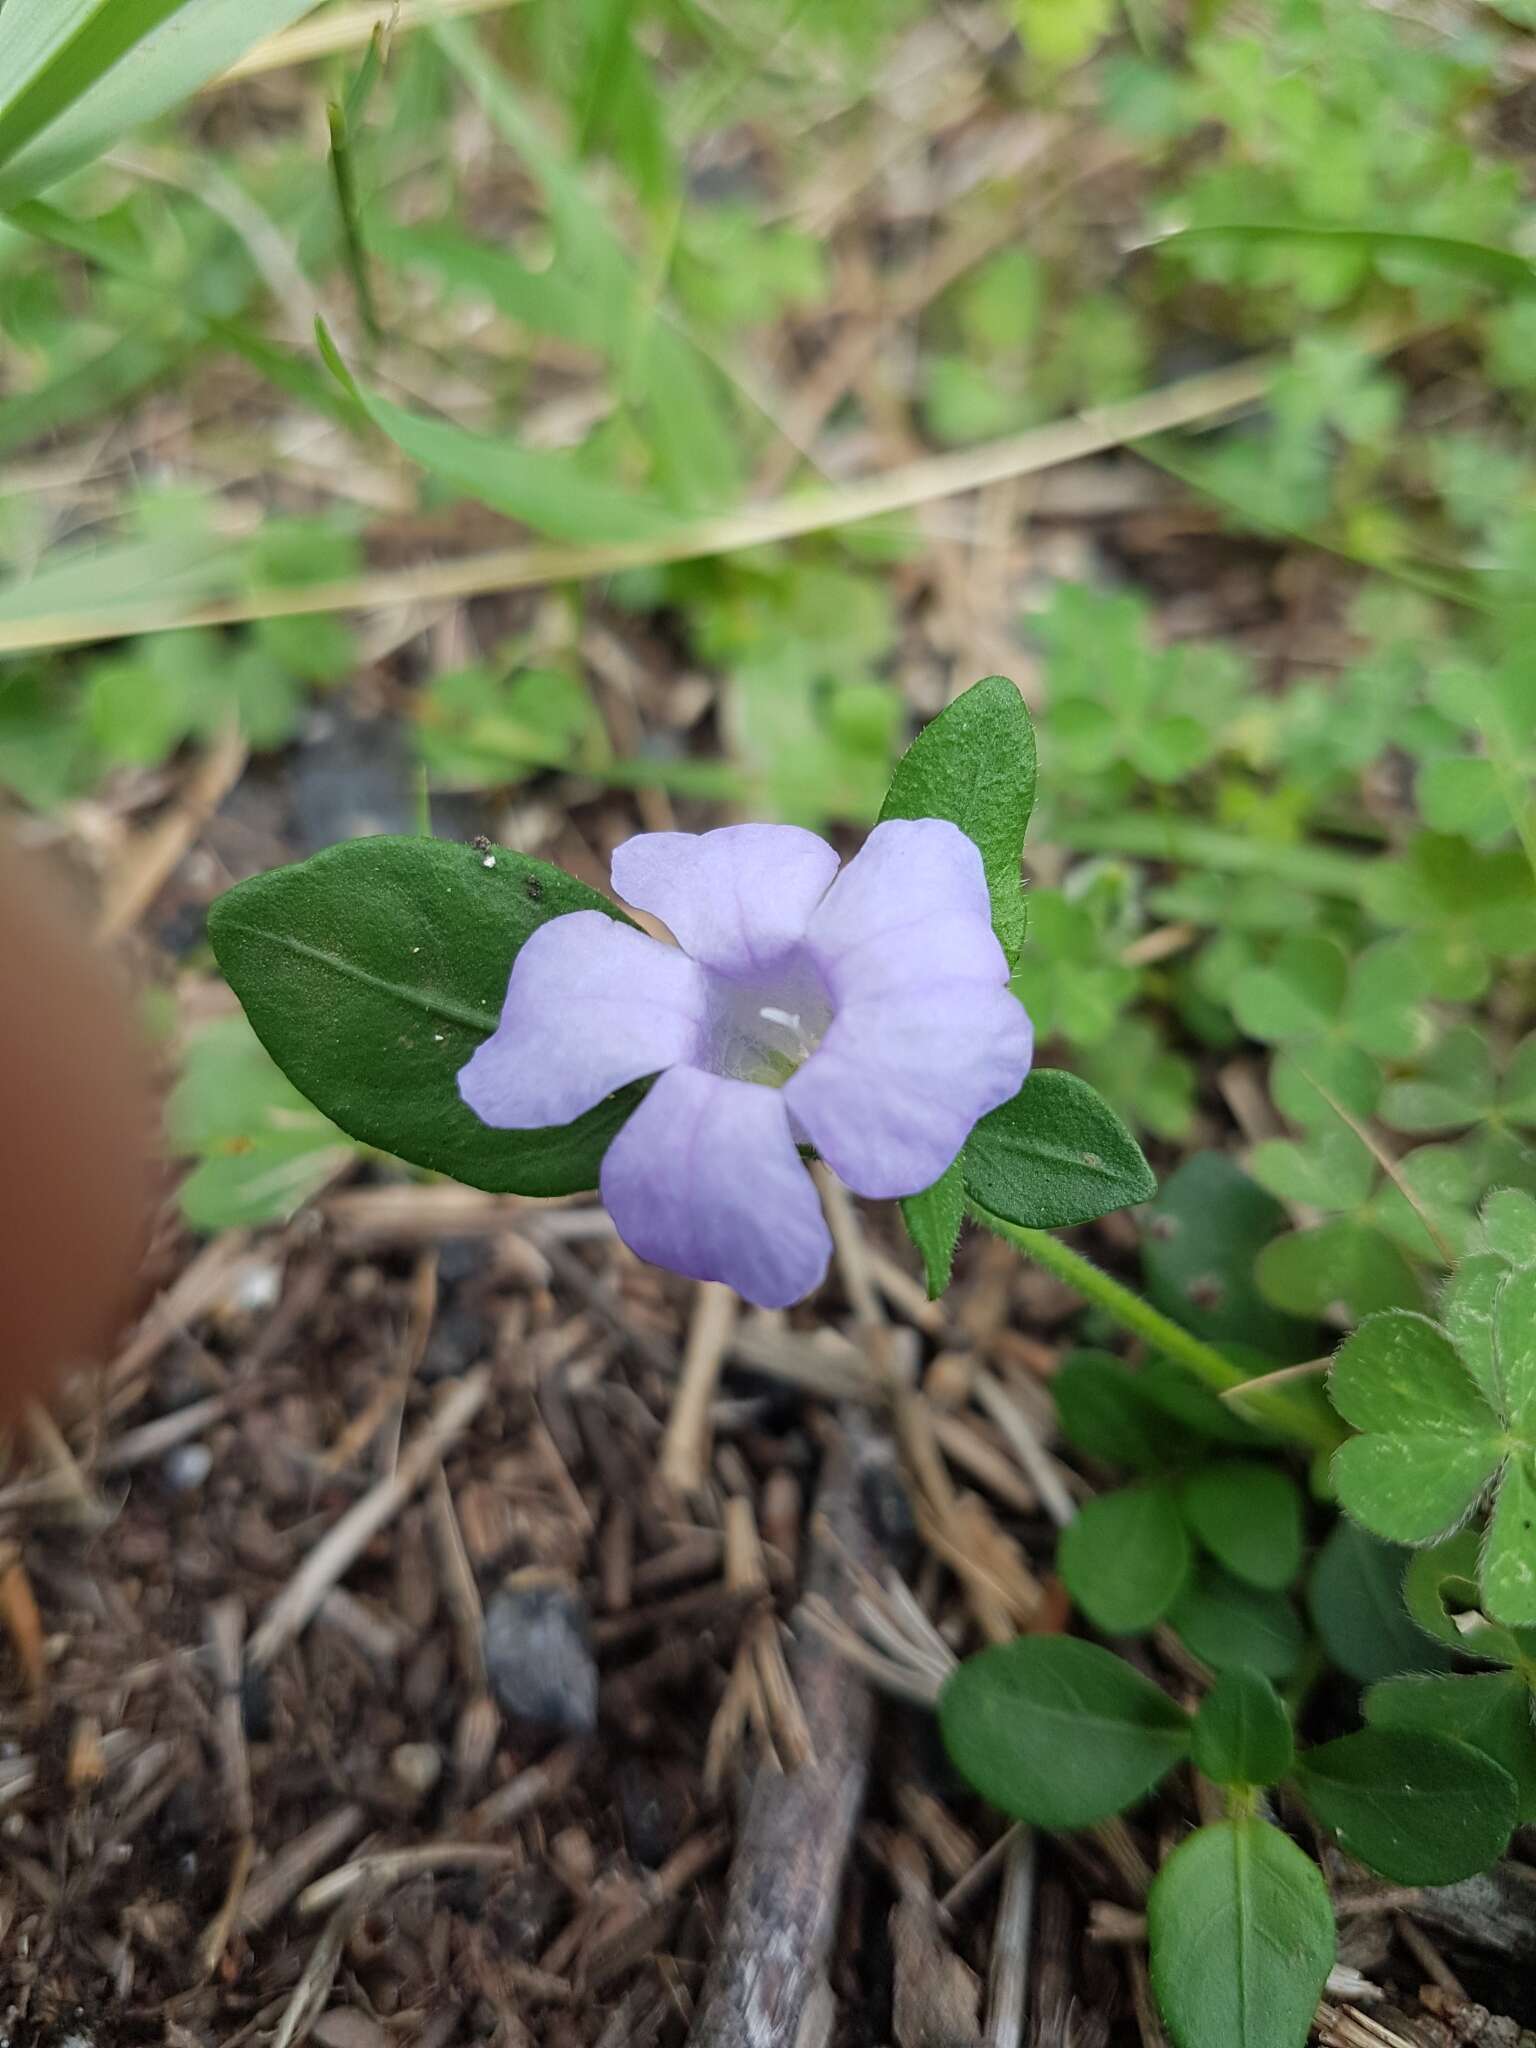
<point>892,1092</point>
<point>591,1004</point>
<point>909,910</point>
<point>736,898</point>
<point>705,1180</point>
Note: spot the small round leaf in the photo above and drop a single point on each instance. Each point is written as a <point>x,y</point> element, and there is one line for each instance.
<point>1125,1558</point>
<point>1242,1731</point>
<point>1248,1515</point>
<point>1059,1732</point>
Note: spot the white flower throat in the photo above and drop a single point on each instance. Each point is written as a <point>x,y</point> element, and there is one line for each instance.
<point>765,1028</point>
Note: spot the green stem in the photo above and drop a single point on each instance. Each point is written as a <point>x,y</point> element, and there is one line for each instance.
<point>1275,1408</point>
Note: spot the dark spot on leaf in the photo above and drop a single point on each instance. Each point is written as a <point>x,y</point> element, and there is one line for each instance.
<point>1207,1291</point>
<point>533,889</point>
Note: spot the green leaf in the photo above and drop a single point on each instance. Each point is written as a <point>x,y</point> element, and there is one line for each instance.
<point>1125,1557</point>
<point>547,490</point>
<point>1201,1233</point>
<point>1489,1710</point>
<point>1508,1574</point>
<point>1242,1731</point>
<point>933,1221</point>
<point>262,1150</point>
<point>975,765</point>
<point>1053,1156</point>
<point>1224,1622</point>
<point>1059,1732</point>
<point>371,973</point>
<point>1241,1938</point>
<point>1355,1598</point>
<point>1454,1086</point>
<point>1432,1444</point>
<point>1343,1265</point>
<point>1248,1515</point>
<point>1112,1413</point>
<point>1416,1808</point>
<point>1299,994</point>
<point>1444,1598</point>
<point>78,73</point>
<point>1503,269</point>
<point>1509,1225</point>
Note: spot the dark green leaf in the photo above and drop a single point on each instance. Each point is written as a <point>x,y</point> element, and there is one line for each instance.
<point>1055,1155</point>
<point>975,765</point>
<point>1442,1594</point>
<point>1059,1732</point>
<point>1109,1412</point>
<point>1241,1938</point>
<point>371,973</point>
<point>1202,1231</point>
<point>1490,1710</point>
<point>933,1221</point>
<point>1125,1557</point>
<point>1224,1622</point>
<point>1504,269</point>
<point>1355,1597</point>
<point>1242,1731</point>
<point>1416,1808</point>
<point>1248,1515</point>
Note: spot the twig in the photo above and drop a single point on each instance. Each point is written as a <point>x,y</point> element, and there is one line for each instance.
<point>1008,1971</point>
<point>786,1877</point>
<point>1040,1468</point>
<point>684,1459</point>
<point>1208,396</point>
<point>284,1874</point>
<point>389,1867</point>
<point>341,1545</point>
<point>226,1632</point>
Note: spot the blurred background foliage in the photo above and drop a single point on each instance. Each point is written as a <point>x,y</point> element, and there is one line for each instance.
<point>511,383</point>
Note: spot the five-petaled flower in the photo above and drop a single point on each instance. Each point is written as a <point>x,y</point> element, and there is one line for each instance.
<point>864,1013</point>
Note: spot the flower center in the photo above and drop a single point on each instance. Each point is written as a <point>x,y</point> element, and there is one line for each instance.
<point>763,1029</point>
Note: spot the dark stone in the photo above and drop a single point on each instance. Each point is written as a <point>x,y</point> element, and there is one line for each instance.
<point>256,1705</point>
<point>353,779</point>
<point>538,1656</point>
<point>654,1808</point>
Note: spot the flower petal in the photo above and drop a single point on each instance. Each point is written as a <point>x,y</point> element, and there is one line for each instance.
<point>736,898</point>
<point>910,909</point>
<point>591,1004</point>
<point>704,1179</point>
<point>890,1095</point>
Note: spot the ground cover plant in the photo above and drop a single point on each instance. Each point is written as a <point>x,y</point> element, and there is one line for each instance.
<point>445,446</point>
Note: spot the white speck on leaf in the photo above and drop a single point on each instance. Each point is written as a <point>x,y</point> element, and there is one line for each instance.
<point>489,861</point>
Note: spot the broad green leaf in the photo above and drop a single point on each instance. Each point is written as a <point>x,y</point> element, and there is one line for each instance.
<point>1514,1340</point>
<point>547,490</point>
<point>262,1150</point>
<point>1242,1731</point>
<point>1454,1086</point>
<point>1466,1314</point>
<point>1419,1809</point>
<point>1248,1515</point>
<point>1241,1938</point>
<point>1331,1168</point>
<point>371,973</point>
<point>1059,1732</point>
<point>1490,1710</point>
<point>1342,1265</point>
<point>76,74</point>
<point>1112,1413</point>
<point>1509,1225</point>
<point>933,1221</point>
<point>1223,1622</point>
<point>1400,1372</point>
<point>1415,1488</point>
<point>1355,1598</point>
<point>975,765</point>
<point>1053,1156</point>
<point>1299,994</point>
<point>1125,1557</point>
<point>1509,1554</point>
<point>1201,1233</point>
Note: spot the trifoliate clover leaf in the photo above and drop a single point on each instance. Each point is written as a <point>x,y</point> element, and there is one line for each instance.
<point>1467,907</point>
<point>1439,1432</point>
<point>1309,990</point>
<point>1456,1085</point>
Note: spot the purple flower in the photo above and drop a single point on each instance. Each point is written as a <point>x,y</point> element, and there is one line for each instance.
<point>865,1013</point>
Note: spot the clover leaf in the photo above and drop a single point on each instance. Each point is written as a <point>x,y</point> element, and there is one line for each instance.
<point>1439,1433</point>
